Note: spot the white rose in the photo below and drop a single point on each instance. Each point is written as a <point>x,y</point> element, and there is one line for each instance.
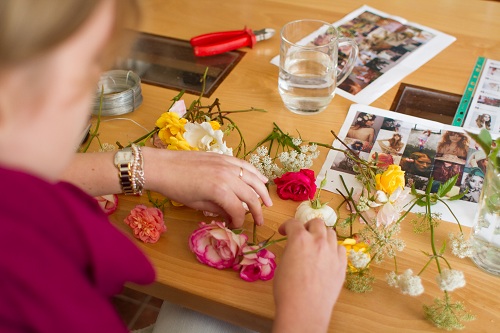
<point>205,138</point>
<point>306,212</point>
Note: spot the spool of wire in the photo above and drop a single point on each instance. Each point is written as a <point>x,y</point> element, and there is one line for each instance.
<point>121,93</point>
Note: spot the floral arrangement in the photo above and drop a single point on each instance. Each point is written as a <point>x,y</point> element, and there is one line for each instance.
<point>378,210</point>
<point>367,222</point>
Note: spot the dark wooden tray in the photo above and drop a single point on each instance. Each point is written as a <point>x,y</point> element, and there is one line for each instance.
<point>171,63</point>
<point>426,103</point>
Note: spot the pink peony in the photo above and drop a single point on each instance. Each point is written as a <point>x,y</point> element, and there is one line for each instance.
<point>215,245</point>
<point>255,266</point>
<point>147,223</point>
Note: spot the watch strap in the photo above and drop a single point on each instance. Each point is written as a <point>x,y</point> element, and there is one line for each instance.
<point>131,173</point>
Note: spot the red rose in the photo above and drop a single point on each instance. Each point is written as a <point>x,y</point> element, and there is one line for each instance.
<point>298,186</point>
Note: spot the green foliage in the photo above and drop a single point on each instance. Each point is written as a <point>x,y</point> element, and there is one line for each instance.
<point>359,282</point>
<point>422,222</point>
<point>490,147</point>
<point>446,314</point>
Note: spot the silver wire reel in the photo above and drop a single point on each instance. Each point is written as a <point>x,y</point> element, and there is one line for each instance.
<point>121,93</point>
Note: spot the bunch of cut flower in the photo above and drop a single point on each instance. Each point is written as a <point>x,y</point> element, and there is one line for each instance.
<point>198,127</point>
<point>380,207</point>
<point>217,246</point>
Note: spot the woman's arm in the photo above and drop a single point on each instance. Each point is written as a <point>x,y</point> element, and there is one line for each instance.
<point>309,277</point>
<point>203,181</point>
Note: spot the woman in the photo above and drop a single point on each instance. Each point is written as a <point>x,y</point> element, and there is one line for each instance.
<point>362,128</point>
<point>423,138</point>
<point>417,164</point>
<point>62,259</point>
<point>445,170</point>
<point>453,144</point>
<point>472,185</point>
<point>484,121</point>
<point>393,145</point>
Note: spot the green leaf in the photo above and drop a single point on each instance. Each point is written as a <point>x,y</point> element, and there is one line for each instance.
<point>447,186</point>
<point>425,253</point>
<point>441,251</point>
<point>429,186</point>
<point>483,139</point>
<point>323,182</point>
<point>420,202</point>
<point>413,190</point>
<point>457,196</point>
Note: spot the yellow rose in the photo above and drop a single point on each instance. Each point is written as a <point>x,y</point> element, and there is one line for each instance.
<point>215,125</point>
<point>390,179</point>
<point>170,124</point>
<point>178,143</point>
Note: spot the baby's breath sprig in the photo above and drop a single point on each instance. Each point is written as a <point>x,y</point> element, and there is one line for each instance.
<point>280,152</point>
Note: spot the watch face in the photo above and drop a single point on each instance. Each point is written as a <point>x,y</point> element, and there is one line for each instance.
<point>124,156</point>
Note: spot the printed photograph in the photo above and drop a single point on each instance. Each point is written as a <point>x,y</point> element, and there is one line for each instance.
<point>472,184</point>
<point>383,43</point>
<point>389,142</point>
<point>365,128</point>
<point>343,163</point>
<point>453,147</point>
<point>494,72</point>
<point>482,120</point>
<point>491,101</point>
<point>491,86</point>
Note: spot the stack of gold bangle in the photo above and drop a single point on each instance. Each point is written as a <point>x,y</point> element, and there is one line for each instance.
<point>137,170</point>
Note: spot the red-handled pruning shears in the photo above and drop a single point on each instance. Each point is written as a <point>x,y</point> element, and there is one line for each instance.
<point>220,42</point>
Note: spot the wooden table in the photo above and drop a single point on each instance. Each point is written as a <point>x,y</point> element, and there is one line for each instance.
<point>181,279</point>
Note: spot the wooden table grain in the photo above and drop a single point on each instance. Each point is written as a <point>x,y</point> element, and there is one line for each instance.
<point>253,83</point>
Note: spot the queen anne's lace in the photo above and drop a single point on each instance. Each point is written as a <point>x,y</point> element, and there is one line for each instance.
<point>408,283</point>
<point>460,246</point>
<point>450,279</point>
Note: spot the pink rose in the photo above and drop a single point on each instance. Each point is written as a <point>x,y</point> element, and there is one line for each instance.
<point>255,266</point>
<point>108,203</point>
<point>215,245</point>
<point>179,107</point>
<point>147,223</point>
<point>298,186</point>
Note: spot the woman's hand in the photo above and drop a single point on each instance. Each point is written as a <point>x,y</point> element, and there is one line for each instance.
<point>204,181</point>
<point>309,277</point>
<point>207,181</point>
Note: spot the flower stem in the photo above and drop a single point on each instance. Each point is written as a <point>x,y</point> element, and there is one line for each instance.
<point>456,219</point>
<point>431,225</point>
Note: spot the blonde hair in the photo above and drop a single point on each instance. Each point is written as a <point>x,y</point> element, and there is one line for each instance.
<point>30,28</point>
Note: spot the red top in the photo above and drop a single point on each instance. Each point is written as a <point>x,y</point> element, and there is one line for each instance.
<point>61,259</point>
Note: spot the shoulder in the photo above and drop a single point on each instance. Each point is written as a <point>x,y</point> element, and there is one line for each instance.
<point>72,228</point>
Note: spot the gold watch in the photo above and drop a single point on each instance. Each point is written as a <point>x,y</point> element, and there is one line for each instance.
<point>129,163</point>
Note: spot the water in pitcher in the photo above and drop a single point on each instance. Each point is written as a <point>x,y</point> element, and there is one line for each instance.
<point>307,82</point>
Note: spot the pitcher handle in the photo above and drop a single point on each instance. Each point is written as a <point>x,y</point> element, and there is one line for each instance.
<point>353,55</point>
